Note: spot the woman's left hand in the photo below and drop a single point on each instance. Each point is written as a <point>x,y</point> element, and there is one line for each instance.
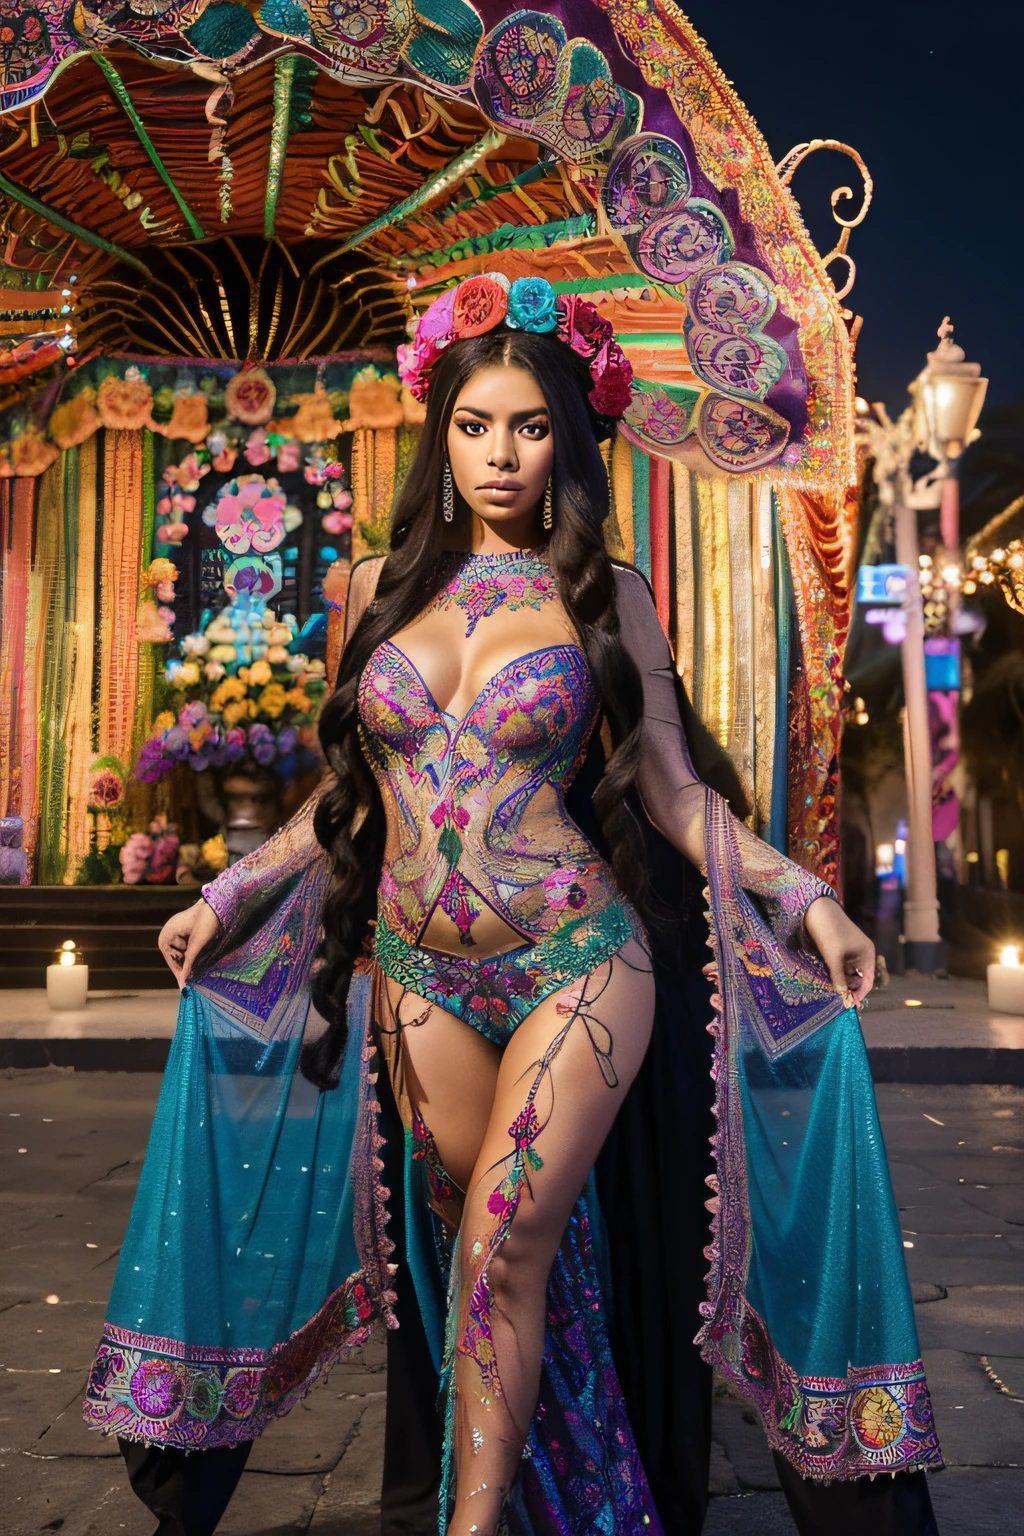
<point>848,953</point>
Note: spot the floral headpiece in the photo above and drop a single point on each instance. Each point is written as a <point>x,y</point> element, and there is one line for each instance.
<point>481,304</point>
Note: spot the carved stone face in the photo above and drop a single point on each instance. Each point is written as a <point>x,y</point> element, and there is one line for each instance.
<point>253,802</point>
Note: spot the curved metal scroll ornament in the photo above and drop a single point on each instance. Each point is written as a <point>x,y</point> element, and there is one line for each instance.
<point>786,169</point>
<point>820,543</point>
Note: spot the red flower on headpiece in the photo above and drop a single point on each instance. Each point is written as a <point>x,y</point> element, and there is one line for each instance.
<point>480,305</point>
<point>581,326</point>
<point>613,375</point>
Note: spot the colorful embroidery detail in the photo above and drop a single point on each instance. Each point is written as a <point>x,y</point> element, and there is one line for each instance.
<point>485,583</point>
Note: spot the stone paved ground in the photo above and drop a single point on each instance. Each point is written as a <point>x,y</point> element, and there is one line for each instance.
<point>957,1156</point>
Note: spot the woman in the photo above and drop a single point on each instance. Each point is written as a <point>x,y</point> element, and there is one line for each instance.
<point>490,659</point>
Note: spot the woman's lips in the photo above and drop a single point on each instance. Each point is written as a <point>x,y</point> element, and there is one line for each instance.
<point>501,492</point>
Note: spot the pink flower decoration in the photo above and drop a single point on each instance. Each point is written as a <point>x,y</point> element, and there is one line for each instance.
<point>163,859</point>
<point>289,457</point>
<point>256,450</point>
<point>190,472</point>
<point>172,533</point>
<point>250,516</point>
<point>134,858</point>
<point>336,522</point>
<point>224,463</point>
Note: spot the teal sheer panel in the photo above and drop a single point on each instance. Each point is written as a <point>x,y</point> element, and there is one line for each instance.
<point>826,1262</point>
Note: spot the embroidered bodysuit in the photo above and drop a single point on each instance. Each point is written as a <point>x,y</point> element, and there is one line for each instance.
<point>476,816</point>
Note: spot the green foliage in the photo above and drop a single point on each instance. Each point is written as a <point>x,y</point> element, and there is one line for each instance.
<point>100,867</point>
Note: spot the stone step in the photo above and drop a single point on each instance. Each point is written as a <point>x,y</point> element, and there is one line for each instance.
<point>115,927</point>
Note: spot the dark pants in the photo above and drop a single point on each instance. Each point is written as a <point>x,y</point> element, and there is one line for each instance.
<point>886,1506</point>
<point>187,1493</point>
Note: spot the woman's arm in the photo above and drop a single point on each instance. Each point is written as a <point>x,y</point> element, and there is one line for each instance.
<point>290,851</point>
<point>673,798</point>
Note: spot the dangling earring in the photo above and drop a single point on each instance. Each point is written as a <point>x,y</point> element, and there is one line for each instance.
<point>447,492</point>
<point>548,516</point>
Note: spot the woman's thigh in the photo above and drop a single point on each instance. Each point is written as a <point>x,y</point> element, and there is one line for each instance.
<point>450,1071</point>
<point>559,1086</point>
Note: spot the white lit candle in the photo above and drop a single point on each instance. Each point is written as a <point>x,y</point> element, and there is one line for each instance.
<point>1006,982</point>
<point>67,982</point>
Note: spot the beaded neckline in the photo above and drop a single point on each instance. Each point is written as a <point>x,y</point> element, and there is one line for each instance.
<point>516,578</point>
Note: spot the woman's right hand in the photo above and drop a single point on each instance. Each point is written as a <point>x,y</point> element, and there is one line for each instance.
<point>185,935</point>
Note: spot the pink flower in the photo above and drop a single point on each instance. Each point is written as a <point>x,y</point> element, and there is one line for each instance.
<point>172,533</point>
<point>106,789</point>
<point>165,592</point>
<point>134,858</point>
<point>190,472</point>
<point>256,450</point>
<point>163,860</point>
<point>289,457</point>
<point>336,522</point>
<point>224,463</point>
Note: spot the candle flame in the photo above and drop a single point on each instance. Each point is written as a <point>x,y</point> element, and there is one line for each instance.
<point>68,944</point>
<point>67,957</point>
<point>1009,955</point>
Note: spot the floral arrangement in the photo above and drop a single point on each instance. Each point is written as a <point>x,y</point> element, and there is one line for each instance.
<point>480,304</point>
<point>151,857</point>
<point>159,857</point>
<point>155,622</point>
<point>242,696</point>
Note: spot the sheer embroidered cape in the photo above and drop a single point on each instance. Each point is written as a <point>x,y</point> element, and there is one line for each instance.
<point>257,1254</point>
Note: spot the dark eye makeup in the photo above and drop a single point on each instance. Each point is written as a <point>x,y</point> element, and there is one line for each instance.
<point>537,428</point>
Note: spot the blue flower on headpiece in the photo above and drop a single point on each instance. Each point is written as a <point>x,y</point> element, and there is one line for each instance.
<point>531,305</point>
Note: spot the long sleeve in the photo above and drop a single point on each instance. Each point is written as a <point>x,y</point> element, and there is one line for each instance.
<point>673,796</point>
<point>287,854</point>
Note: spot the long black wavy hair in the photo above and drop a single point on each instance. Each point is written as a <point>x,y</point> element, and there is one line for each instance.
<point>349,819</point>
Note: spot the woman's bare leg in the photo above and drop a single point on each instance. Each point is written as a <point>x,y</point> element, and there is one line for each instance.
<point>449,1071</point>
<point>559,1086</point>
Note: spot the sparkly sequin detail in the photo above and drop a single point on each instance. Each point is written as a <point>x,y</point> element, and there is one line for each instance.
<point>484,583</point>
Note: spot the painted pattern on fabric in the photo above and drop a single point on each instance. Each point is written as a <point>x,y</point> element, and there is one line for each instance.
<point>467,824</point>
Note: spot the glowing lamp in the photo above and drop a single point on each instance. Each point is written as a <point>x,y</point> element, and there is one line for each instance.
<point>950,393</point>
<point>1006,981</point>
<point>67,979</point>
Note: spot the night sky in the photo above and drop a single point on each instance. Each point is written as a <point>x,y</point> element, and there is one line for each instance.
<point>931,95</point>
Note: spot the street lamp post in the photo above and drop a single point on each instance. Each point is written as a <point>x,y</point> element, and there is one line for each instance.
<point>947,398</point>
<point>923,949</point>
